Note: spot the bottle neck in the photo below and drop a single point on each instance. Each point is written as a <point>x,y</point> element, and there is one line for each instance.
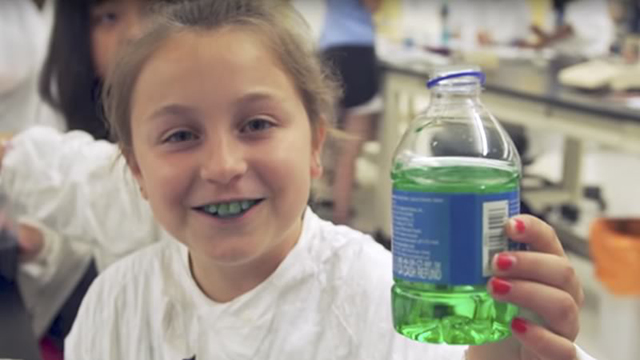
<point>455,94</point>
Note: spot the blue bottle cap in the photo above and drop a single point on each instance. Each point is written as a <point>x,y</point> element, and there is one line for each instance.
<point>452,73</point>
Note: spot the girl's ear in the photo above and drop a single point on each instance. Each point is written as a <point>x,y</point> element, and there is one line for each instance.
<point>132,163</point>
<point>319,137</point>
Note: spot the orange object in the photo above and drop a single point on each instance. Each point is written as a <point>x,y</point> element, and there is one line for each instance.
<point>615,250</point>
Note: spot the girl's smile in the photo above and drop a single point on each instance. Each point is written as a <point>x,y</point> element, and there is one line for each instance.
<point>229,209</point>
<point>226,154</point>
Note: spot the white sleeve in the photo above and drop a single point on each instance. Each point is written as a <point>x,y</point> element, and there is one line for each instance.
<point>79,187</point>
<point>47,281</point>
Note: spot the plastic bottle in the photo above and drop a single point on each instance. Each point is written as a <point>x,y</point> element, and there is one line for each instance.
<point>456,176</point>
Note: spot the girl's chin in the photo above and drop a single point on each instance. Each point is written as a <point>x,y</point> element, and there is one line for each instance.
<point>224,255</point>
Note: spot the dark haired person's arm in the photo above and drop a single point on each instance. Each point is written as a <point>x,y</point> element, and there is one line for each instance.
<point>80,188</point>
<point>50,268</point>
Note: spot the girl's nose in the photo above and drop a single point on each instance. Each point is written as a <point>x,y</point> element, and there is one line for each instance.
<point>224,162</point>
<point>134,27</point>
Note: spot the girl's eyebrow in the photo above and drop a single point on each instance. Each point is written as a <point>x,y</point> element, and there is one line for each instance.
<point>179,110</point>
<point>259,95</point>
<point>175,110</point>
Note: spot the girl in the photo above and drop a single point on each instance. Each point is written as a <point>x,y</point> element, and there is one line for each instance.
<point>86,37</point>
<point>221,111</point>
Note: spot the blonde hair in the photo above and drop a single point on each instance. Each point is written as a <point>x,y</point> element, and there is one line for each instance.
<point>287,35</point>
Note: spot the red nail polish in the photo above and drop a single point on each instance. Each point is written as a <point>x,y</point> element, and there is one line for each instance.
<point>518,325</point>
<point>505,262</point>
<point>520,228</point>
<point>500,286</point>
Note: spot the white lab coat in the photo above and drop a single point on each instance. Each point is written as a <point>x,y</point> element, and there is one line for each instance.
<point>329,299</point>
<point>81,188</point>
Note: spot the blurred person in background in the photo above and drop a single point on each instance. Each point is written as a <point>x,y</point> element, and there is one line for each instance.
<point>348,44</point>
<point>583,28</point>
<point>24,33</point>
<point>86,38</point>
<point>489,22</point>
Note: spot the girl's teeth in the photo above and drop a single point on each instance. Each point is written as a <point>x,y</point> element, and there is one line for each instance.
<point>212,209</point>
<point>230,208</point>
<point>223,209</point>
<point>234,208</point>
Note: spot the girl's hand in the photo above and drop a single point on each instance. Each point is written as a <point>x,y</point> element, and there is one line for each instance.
<point>30,242</point>
<point>543,281</point>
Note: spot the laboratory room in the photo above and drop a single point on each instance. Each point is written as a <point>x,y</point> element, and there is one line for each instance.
<point>431,179</point>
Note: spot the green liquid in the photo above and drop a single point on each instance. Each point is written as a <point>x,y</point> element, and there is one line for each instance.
<point>442,313</point>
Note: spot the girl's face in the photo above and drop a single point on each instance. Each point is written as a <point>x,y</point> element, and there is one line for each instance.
<point>222,147</point>
<point>113,24</point>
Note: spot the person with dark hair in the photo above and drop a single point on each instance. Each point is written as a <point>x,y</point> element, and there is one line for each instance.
<point>24,29</point>
<point>86,37</point>
<point>583,28</point>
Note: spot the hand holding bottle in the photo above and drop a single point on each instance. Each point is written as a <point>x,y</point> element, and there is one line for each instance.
<point>543,281</point>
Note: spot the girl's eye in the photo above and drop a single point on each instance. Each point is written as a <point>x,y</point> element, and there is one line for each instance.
<point>180,136</point>
<point>104,18</point>
<point>256,125</point>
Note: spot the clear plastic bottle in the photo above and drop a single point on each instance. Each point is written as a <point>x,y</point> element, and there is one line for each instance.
<point>456,176</point>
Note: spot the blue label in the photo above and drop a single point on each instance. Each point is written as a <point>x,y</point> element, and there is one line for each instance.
<point>442,238</point>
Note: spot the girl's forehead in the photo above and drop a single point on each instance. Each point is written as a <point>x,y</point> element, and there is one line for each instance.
<point>103,2</point>
<point>227,48</point>
<point>197,63</point>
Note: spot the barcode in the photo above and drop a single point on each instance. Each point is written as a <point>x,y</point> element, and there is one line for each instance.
<point>494,240</point>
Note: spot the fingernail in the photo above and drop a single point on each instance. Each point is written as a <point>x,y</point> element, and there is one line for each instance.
<point>518,325</point>
<point>519,226</point>
<point>500,287</point>
<point>505,261</point>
